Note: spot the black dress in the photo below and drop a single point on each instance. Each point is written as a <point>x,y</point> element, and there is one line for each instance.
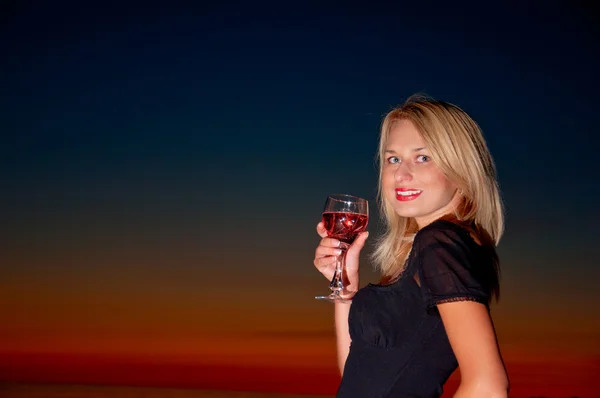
<point>399,345</point>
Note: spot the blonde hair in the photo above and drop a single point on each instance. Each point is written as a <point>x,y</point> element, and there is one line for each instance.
<point>458,148</point>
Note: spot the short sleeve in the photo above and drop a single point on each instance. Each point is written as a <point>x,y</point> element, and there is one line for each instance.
<point>449,264</point>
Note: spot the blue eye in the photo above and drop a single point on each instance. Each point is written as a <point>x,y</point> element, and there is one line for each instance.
<point>423,158</point>
<point>393,160</point>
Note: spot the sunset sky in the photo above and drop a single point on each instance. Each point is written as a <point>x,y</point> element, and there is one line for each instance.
<point>163,170</point>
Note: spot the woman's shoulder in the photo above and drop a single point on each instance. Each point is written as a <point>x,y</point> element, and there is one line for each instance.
<point>444,231</point>
<point>451,263</point>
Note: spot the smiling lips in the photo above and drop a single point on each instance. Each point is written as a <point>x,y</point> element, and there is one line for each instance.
<point>406,194</point>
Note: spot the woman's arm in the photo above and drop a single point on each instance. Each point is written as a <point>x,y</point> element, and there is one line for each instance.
<point>342,334</point>
<point>325,262</point>
<point>473,340</point>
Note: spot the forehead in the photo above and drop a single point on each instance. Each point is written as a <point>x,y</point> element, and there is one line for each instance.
<point>403,133</point>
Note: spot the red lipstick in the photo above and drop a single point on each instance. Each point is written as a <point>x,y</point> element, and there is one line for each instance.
<point>406,194</point>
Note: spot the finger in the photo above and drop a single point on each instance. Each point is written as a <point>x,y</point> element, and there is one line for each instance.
<point>359,243</point>
<point>324,251</point>
<point>324,261</point>
<point>330,242</point>
<point>361,239</point>
<point>321,230</point>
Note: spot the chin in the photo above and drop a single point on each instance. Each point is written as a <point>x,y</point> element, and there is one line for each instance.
<point>408,212</point>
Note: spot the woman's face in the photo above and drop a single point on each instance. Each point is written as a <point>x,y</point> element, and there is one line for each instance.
<point>411,181</point>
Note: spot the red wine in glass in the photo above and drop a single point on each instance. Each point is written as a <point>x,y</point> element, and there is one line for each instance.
<point>345,226</point>
<point>344,217</point>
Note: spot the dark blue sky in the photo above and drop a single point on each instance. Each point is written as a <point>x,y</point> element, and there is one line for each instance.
<point>227,125</point>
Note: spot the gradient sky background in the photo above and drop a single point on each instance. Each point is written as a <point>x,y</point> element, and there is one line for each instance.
<point>163,169</point>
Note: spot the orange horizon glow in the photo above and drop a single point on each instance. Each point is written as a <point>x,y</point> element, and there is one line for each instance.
<point>574,377</point>
<point>260,355</point>
<point>171,327</point>
<point>262,363</point>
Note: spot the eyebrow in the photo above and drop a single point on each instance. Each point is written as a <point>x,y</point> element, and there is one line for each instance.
<point>414,150</point>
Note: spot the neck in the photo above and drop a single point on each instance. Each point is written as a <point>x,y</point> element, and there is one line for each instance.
<point>445,212</point>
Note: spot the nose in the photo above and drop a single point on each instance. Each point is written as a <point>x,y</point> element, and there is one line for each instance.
<point>403,173</point>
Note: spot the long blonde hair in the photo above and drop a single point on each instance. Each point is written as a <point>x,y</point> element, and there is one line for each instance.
<point>458,148</point>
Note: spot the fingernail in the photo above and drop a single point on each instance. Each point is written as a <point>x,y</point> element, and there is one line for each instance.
<point>338,251</point>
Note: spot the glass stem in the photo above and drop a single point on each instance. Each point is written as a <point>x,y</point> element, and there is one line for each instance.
<point>337,283</point>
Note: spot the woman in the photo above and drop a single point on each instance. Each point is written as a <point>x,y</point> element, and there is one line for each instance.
<point>430,313</point>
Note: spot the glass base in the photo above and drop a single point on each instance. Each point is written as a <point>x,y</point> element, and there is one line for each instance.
<point>333,298</point>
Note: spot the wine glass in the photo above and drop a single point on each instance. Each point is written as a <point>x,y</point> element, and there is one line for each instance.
<point>344,217</point>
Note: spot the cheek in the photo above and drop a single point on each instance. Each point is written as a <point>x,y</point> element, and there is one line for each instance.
<point>445,186</point>
<point>436,179</point>
<point>388,183</point>
<point>387,179</point>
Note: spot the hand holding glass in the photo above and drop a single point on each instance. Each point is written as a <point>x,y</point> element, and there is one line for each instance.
<point>344,217</point>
